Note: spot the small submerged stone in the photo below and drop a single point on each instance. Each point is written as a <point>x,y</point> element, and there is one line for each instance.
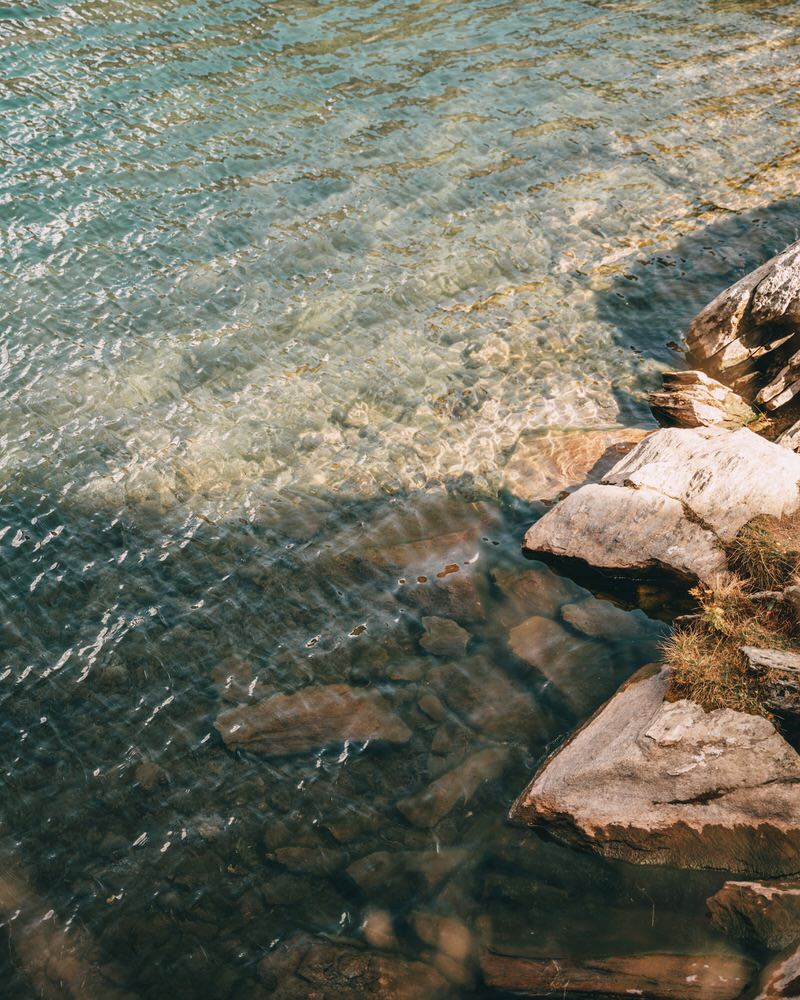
<point>443,637</point>
<point>309,719</point>
<point>454,787</point>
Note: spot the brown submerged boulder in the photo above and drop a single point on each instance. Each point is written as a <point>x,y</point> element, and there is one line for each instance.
<point>654,782</point>
<point>309,719</point>
<point>656,977</point>
<point>761,913</point>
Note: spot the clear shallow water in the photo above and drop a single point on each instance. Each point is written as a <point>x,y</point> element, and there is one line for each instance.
<point>283,285</point>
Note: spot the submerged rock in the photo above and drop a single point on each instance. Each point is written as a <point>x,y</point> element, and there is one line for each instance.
<point>602,619</point>
<point>672,503</point>
<point>305,968</point>
<point>485,697</point>
<point>309,719</point>
<point>760,913</point>
<point>656,977</point>
<point>543,466</point>
<point>748,335</point>
<point>443,636</point>
<point>382,868</point>
<point>529,592</point>
<point>654,782</point>
<point>454,787</point>
<point>693,399</point>
<point>579,669</point>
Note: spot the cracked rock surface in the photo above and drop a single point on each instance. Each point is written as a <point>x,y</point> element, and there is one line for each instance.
<point>654,782</point>
<point>672,503</point>
<point>749,335</point>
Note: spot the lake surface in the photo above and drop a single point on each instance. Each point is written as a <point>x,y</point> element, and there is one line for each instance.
<point>286,291</point>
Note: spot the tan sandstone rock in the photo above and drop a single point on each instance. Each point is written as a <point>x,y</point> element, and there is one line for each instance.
<point>694,399</point>
<point>654,782</point>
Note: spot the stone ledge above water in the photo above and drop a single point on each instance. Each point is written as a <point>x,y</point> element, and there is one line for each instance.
<point>654,782</point>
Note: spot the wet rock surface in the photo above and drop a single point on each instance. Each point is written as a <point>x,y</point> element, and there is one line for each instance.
<point>654,782</point>
<point>694,399</point>
<point>541,467</point>
<point>780,979</point>
<point>312,718</point>
<point>657,977</point>
<point>766,914</point>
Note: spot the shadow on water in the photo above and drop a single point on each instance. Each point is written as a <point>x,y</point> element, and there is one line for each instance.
<point>126,632</point>
<point>183,862</point>
<point>661,294</point>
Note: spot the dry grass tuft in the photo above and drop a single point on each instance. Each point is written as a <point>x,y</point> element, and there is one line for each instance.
<point>707,667</point>
<point>766,552</point>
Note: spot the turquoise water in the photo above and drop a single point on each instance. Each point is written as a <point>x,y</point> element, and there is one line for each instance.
<point>284,287</point>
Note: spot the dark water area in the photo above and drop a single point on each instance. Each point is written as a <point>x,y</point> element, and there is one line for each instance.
<point>286,291</point>
<point>186,863</point>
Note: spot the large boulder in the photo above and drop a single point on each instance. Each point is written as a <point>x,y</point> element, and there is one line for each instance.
<point>749,335</point>
<point>654,782</point>
<point>694,399</point>
<point>717,474</point>
<point>766,914</point>
<point>656,977</point>
<point>616,528</point>
<point>672,503</point>
<point>310,719</point>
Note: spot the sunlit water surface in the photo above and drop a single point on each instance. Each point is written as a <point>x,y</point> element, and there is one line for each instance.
<point>285,288</point>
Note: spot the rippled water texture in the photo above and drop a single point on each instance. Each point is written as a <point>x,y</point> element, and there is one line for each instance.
<point>286,290</point>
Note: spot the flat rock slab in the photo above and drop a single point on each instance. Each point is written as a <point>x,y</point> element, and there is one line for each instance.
<point>654,782</point>
<point>616,528</point>
<point>761,913</point>
<point>779,673</point>
<point>543,466</point>
<point>309,719</point>
<point>718,474</point>
<point>653,977</point>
